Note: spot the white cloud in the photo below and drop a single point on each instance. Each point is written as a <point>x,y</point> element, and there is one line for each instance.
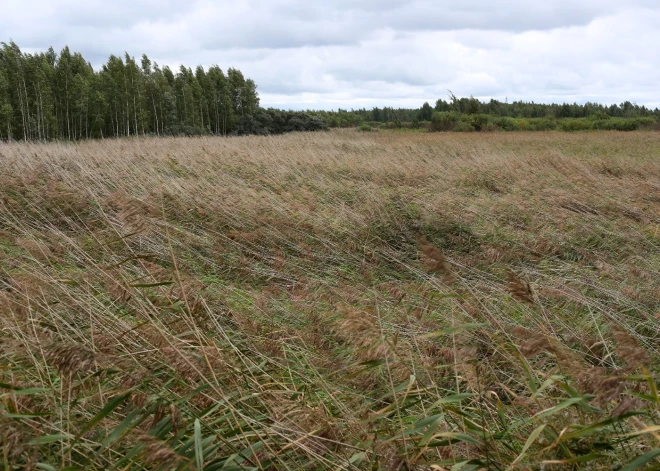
<point>348,53</point>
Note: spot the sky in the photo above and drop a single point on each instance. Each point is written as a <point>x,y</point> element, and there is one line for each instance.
<point>307,54</point>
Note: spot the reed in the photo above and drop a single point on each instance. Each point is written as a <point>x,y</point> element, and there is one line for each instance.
<point>341,300</point>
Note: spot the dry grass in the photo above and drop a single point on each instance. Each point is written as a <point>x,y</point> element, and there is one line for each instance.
<point>331,301</point>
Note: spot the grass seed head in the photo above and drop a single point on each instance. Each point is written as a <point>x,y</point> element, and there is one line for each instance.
<point>519,288</point>
<point>435,261</point>
<point>71,358</point>
<point>157,454</point>
<point>629,350</point>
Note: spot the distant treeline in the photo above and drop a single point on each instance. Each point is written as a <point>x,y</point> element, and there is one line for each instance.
<point>46,96</point>
<point>471,114</point>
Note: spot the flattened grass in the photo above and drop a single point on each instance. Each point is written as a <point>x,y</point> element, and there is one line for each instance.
<point>331,301</point>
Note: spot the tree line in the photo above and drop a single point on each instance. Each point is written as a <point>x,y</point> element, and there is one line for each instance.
<point>466,113</point>
<point>523,109</point>
<point>45,96</point>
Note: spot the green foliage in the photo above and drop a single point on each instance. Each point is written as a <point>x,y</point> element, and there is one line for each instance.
<point>425,112</point>
<point>495,115</point>
<point>272,121</point>
<point>478,122</point>
<point>578,124</point>
<point>444,120</point>
<point>45,96</point>
<point>624,124</point>
<point>49,96</point>
<point>506,124</point>
<point>464,126</point>
<point>544,124</point>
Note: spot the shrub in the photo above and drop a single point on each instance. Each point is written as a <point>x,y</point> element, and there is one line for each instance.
<point>648,123</point>
<point>444,120</point>
<point>523,124</point>
<point>272,121</point>
<point>248,124</point>
<point>387,125</point>
<point>478,121</point>
<point>624,124</point>
<point>599,116</point>
<point>428,125</point>
<point>365,127</point>
<point>544,124</point>
<point>464,127</point>
<point>575,124</point>
<point>506,124</point>
<point>300,121</point>
<point>614,124</point>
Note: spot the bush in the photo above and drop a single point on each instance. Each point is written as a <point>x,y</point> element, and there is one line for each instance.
<point>648,123</point>
<point>544,124</point>
<point>365,127</point>
<point>464,127</point>
<point>460,122</point>
<point>248,124</point>
<point>575,124</point>
<point>272,121</point>
<point>615,124</point>
<point>477,121</point>
<point>444,120</point>
<point>622,124</point>
<point>506,124</point>
<point>523,124</point>
<point>299,121</point>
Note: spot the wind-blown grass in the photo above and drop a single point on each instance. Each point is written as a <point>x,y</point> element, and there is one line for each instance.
<point>331,301</point>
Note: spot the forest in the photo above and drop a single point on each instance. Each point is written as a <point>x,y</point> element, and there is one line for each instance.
<point>49,96</point>
<point>471,114</point>
<point>46,96</point>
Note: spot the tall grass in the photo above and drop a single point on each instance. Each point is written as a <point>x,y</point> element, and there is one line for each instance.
<point>337,301</point>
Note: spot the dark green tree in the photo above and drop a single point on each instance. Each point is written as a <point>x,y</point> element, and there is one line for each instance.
<point>425,112</point>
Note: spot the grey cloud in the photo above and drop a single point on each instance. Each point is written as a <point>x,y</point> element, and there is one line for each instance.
<point>504,15</point>
<point>385,74</point>
<point>116,14</point>
<point>354,53</point>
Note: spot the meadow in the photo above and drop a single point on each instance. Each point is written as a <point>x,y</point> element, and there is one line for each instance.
<point>338,300</point>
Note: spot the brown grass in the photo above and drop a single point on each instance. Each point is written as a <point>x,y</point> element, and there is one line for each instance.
<point>339,300</point>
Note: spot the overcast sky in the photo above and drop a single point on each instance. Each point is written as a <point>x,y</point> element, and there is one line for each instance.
<point>364,53</point>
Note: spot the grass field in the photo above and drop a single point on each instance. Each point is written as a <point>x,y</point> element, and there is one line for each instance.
<point>338,300</point>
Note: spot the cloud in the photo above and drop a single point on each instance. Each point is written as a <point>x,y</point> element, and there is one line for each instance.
<point>355,53</point>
